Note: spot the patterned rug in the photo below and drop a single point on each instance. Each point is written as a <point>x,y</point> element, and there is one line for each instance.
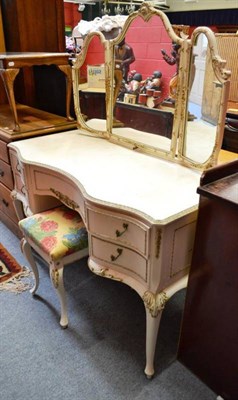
<point>13,277</point>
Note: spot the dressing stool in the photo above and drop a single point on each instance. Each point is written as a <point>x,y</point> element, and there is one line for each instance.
<point>59,237</point>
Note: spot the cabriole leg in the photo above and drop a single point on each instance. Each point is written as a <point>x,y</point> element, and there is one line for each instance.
<point>26,250</point>
<point>152,327</point>
<point>56,275</point>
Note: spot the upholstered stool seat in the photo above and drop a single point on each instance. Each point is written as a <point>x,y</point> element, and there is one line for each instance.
<point>59,237</point>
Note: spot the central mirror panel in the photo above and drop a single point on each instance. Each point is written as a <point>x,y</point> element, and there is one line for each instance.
<point>146,83</point>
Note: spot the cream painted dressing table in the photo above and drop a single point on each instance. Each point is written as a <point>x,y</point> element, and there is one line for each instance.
<point>137,197</point>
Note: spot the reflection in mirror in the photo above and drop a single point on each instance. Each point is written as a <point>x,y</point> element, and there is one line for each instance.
<point>146,64</point>
<point>204,104</point>
<point>90,99</point>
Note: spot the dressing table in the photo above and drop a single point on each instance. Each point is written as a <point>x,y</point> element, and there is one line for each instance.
<point>135,191</point>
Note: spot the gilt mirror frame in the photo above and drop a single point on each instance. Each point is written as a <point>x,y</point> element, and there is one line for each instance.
<point>177,150</point>
<point>76,67</point>
<point>146,12</point>
<point>222,75</point>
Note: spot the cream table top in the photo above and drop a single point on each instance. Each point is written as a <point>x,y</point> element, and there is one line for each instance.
<point>115,175</point>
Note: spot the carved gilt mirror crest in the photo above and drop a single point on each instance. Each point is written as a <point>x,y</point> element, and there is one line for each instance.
<point>162,93</point>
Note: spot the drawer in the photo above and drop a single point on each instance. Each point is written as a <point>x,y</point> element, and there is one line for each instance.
<point>123,259</point>
<point>45,182</point>
<point>123,230</point>
<point>6,204</point>
<point>4,152</point>
<point>6,174</point>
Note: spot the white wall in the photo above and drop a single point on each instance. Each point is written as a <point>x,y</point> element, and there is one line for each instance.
<point>192,5</point>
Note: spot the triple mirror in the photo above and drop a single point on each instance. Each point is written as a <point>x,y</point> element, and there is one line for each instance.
<point>154,88</point>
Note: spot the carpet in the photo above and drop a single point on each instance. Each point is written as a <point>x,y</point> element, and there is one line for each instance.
<point>13,277</point>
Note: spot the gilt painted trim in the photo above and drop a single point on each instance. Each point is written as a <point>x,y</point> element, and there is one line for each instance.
<point>104,273</point>
<point>158,242</point>
<point>154,302</point>
<point>55,277</point>
<point>65,199</point>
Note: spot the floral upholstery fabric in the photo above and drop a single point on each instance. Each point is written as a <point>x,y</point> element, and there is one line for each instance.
<point>58,232</point>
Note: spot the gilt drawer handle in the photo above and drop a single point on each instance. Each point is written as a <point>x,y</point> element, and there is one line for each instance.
<point>114,258</point>
<point>118,233</point>
<point>1,172</point>
<point>5,202</point>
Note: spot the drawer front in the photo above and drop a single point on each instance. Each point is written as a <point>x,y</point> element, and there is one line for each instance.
<point>6,204</point>
<point>124,260</point>
<point>60,187</point>
<point>123,230</point>
<point>6,174</point>
<point>4,152</point>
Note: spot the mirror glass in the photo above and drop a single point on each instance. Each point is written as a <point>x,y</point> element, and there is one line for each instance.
<point>146,65</point>
<point>204,102</point>
<point>91,84</point>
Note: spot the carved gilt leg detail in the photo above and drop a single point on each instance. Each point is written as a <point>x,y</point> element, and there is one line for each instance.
<point>155,302</point>
<point>154,305</point>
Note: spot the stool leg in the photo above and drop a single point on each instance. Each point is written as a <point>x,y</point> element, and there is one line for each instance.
<point>26,250</point>
<point>56,275</point>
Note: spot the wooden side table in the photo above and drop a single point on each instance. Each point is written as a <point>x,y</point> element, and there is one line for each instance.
<point>10,64</point>
<point>209,334</point>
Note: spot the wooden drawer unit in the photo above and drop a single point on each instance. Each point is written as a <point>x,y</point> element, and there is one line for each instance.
<point>123,259</point>
<point>7,211</point>
<point>6,174</point>
<point>124,231</point>
<point>4,152</point>
<point>6,205</point>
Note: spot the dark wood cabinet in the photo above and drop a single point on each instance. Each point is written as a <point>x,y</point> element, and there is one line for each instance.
<point>209,335</point>
<point>31,25</point>
<point>36,26</point>
<point>230,138</point>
